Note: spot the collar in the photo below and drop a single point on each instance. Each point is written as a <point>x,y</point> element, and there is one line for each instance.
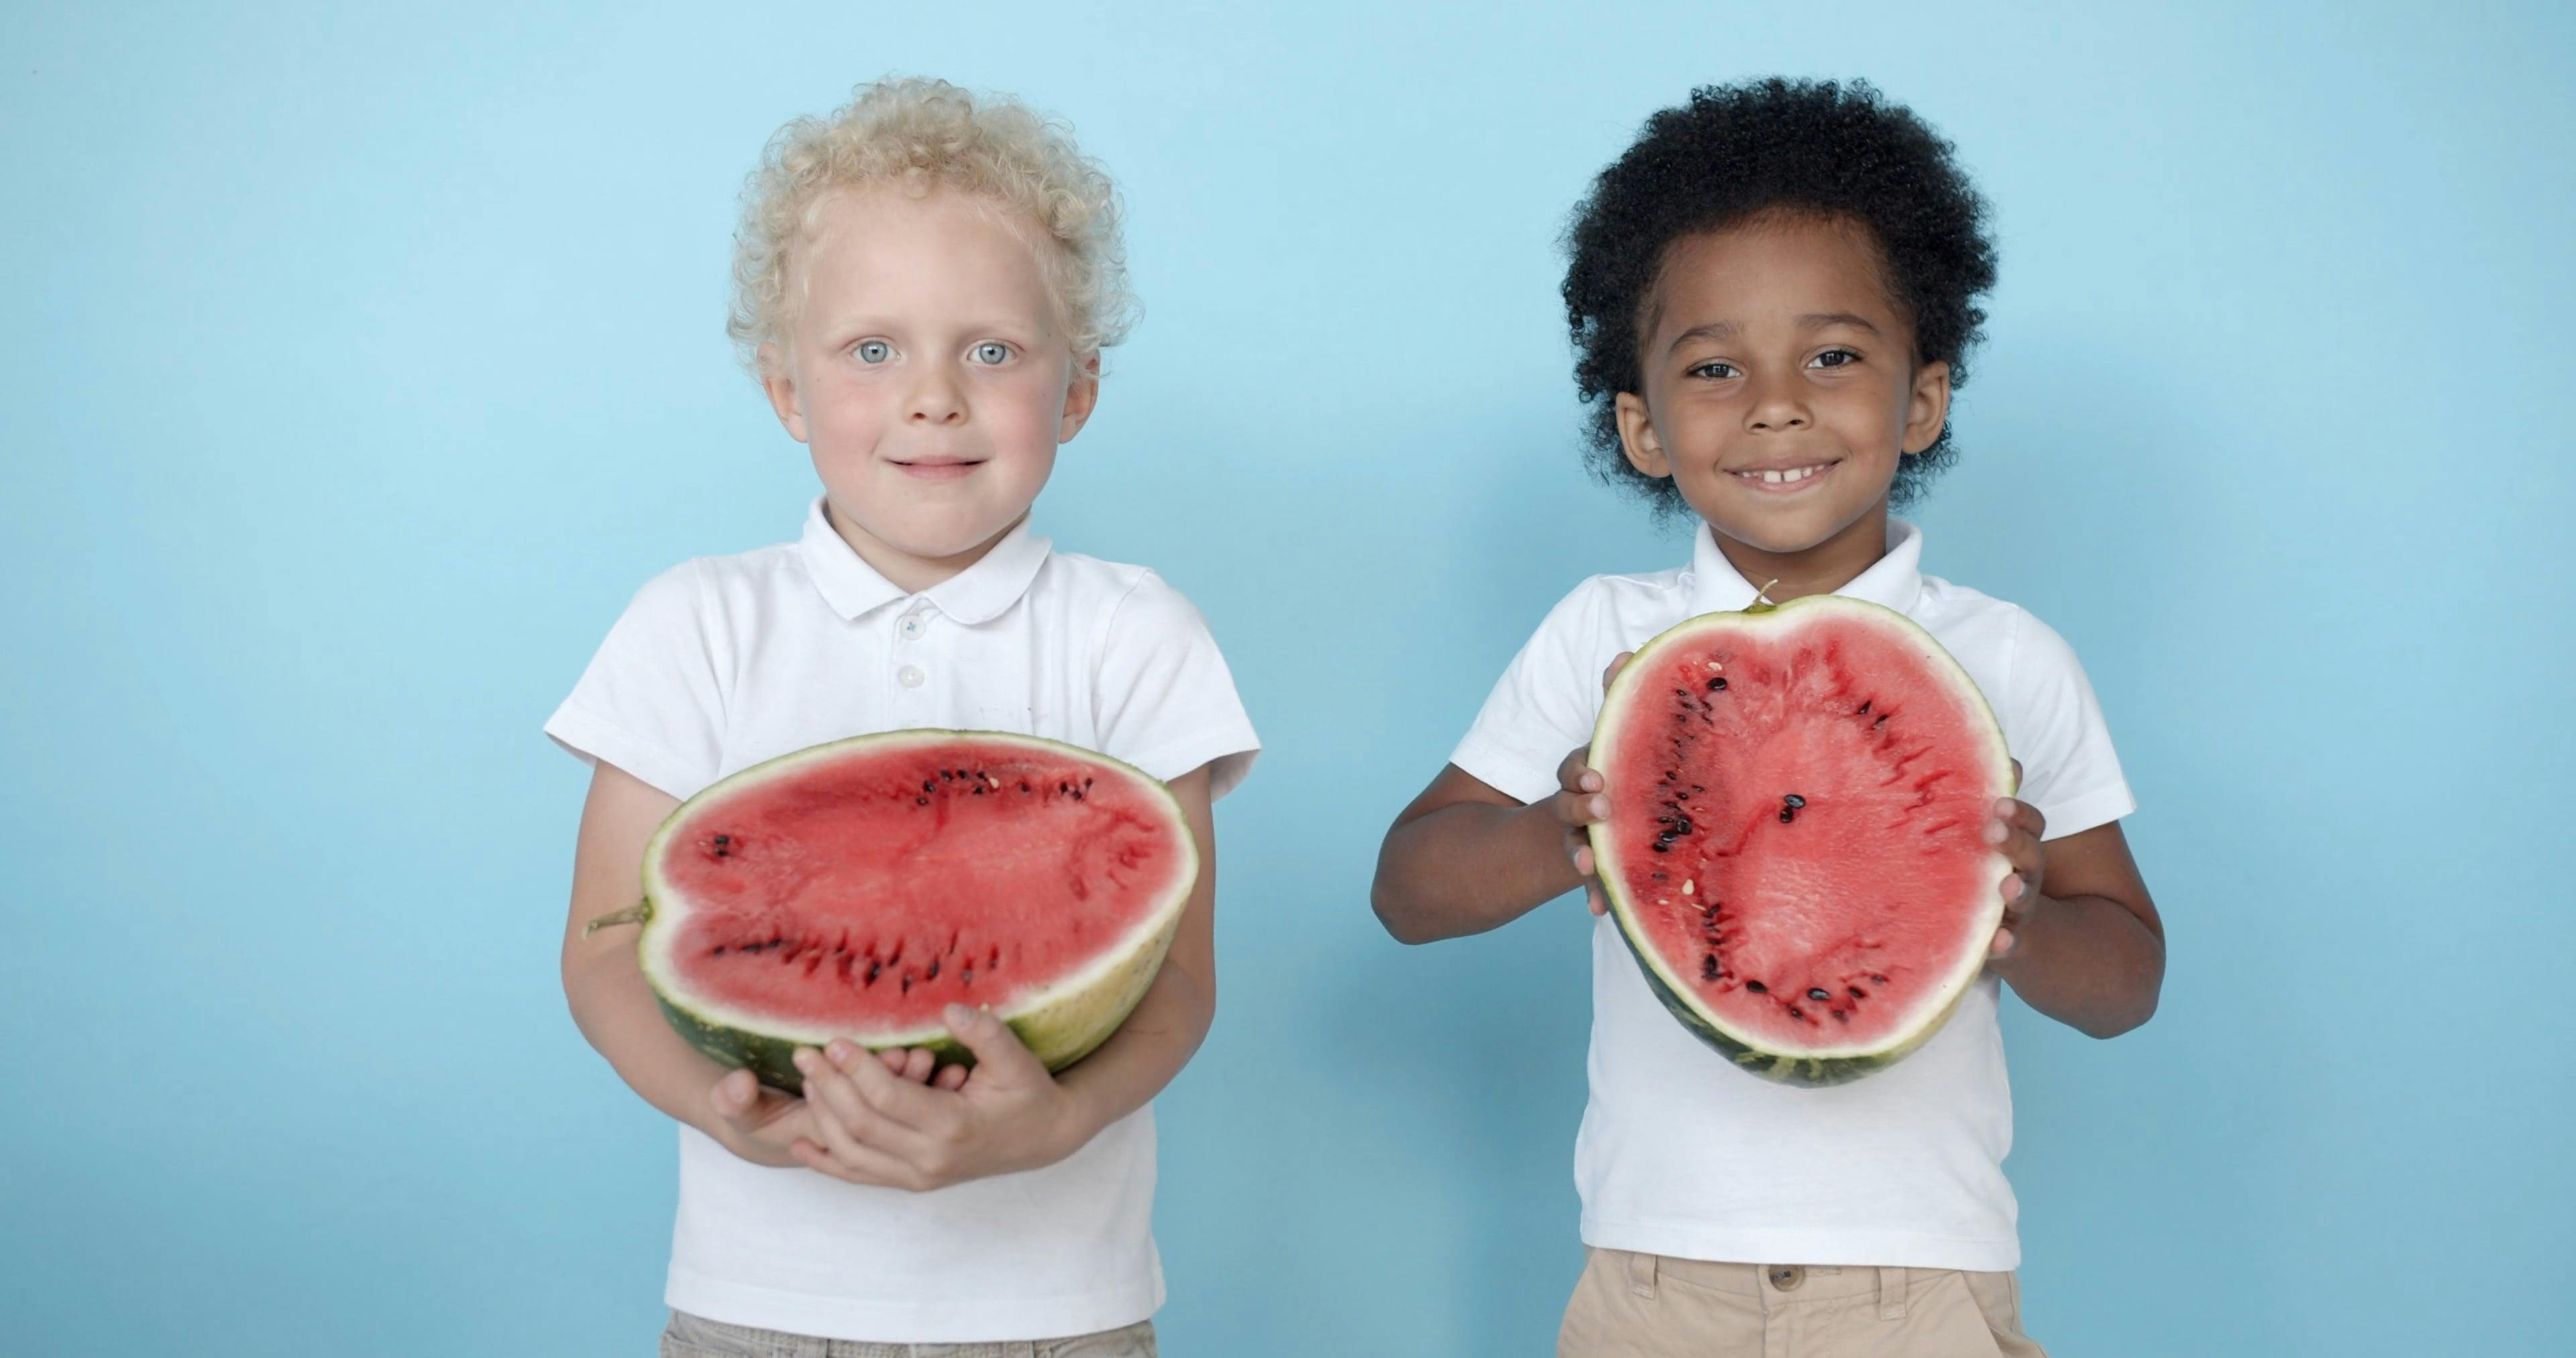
<point>977,594</point>
<point>1895,580</point>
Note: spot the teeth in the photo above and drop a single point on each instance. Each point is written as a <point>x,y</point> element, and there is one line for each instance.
<point>1775,478</point>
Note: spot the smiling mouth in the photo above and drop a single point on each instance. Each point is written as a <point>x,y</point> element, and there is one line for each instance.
<point>1783,476</point>
<point>939,469</point>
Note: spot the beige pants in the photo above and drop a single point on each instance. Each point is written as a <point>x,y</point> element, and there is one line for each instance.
<point>691,1336</point>
<point>1649,1306</point>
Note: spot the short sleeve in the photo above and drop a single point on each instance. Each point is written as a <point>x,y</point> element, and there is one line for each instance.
<point>2054,725</point>
<point>650,701</point>
<point>1545,703</point>
<point>1164,699</point>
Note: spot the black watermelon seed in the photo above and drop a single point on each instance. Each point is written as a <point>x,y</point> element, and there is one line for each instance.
<point>929,785</point>
<point>1817,993</point>
<point>1857,993</point>
<point>945,775</point>
<point>1787,815</point>
<point>1708,967</point>
<point>1024,785</point>
<point>1793,801</point>
<point>921,801</point>
<point>1795,1013</point>
<point>1840,1015</point>
<point>1863,712</point>
<point>1661,846</point>
<point>1757,987</point>
<point>1718,684</point>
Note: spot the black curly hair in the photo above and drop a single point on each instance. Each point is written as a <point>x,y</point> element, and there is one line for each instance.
<point>1738,151</point>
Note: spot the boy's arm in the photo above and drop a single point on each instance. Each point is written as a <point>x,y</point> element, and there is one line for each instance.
<point>1010,1114</point>
<point>616,1010</point>
<point>1464,858</point>
<point>2081,941</point>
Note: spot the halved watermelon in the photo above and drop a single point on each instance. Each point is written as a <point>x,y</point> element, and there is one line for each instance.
<point>854,889</point>
<point>1795,849</point>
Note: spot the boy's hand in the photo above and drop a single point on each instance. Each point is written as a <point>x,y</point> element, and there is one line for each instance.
<point>921,1066</point>
<point>760,1124</point>
<point>1579,803</point>
<point>2015,831</point>
<point>871,1125</point>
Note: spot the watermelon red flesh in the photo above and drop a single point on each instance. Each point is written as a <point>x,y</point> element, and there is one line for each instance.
<point>1843,933</point>
<point>857,889</point>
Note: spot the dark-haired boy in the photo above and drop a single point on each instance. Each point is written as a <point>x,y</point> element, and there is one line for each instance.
<point>1771,295</point>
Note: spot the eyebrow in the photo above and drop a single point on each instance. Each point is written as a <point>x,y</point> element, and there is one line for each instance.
<point>1814,320</point>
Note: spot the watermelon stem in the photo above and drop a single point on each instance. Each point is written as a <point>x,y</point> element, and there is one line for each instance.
<point>633,914</point>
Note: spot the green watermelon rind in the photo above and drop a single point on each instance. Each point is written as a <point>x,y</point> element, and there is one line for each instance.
<point>1060,1024</point>
<point>1827,1066</point>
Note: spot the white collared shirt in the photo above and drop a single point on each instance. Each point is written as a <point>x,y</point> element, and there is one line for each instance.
<point>1680,1154</point>
<point>723,662</point>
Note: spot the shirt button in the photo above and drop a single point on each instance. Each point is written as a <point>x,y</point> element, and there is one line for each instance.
<point>911,676</point>
<point>1786,1277</point>
<point>910,627</point>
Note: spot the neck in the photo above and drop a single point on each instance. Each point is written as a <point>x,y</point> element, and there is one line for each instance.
<point>907,571</point>
<point>1821,569</point>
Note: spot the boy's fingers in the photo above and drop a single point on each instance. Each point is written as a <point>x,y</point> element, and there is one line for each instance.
<point>1577,809</point>
<point>950,1078</point>
<point>1575,772</point>
<point>998,1050</point>
<point>833,1087</point>
<point>1594,901</point>
<point>734,1094</point>
<point>2022,816</point>
<point>2002,945</point>
<point>2018,845</point>
<point>1582,855</point>
<point>1617,663</point>
<point>743,1101</point>
<point>916,1108</point>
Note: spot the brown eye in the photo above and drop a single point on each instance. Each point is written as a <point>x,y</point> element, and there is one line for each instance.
<point>1836,358</point>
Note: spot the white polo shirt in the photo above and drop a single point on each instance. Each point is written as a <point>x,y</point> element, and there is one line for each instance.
<point>723,662</point>
<point>1680,1153</point>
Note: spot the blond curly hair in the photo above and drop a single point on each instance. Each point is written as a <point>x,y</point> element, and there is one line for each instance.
<point>921,135</point>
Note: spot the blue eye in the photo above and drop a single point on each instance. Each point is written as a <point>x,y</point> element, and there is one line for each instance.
<point>873,351</point>
<point>992,351</point>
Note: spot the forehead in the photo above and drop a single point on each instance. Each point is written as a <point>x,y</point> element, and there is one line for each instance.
<point>1772,268</point>
<point>881,247</point>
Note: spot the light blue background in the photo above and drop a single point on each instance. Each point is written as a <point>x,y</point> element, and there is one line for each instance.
<point>359,365</point>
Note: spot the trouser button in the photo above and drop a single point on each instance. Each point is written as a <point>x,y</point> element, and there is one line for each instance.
<point>1786,1277</point>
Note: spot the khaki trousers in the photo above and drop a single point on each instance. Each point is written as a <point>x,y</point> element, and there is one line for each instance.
<point>1650,1306</point>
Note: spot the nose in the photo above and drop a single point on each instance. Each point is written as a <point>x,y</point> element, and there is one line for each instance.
<point>1778,404</point>
<point>935,399</point>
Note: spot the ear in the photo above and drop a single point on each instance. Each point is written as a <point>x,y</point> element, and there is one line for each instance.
<point>781,390</point>
<point>1927,406</point>
<point>1638,439</point>
<point>1081,397</point>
